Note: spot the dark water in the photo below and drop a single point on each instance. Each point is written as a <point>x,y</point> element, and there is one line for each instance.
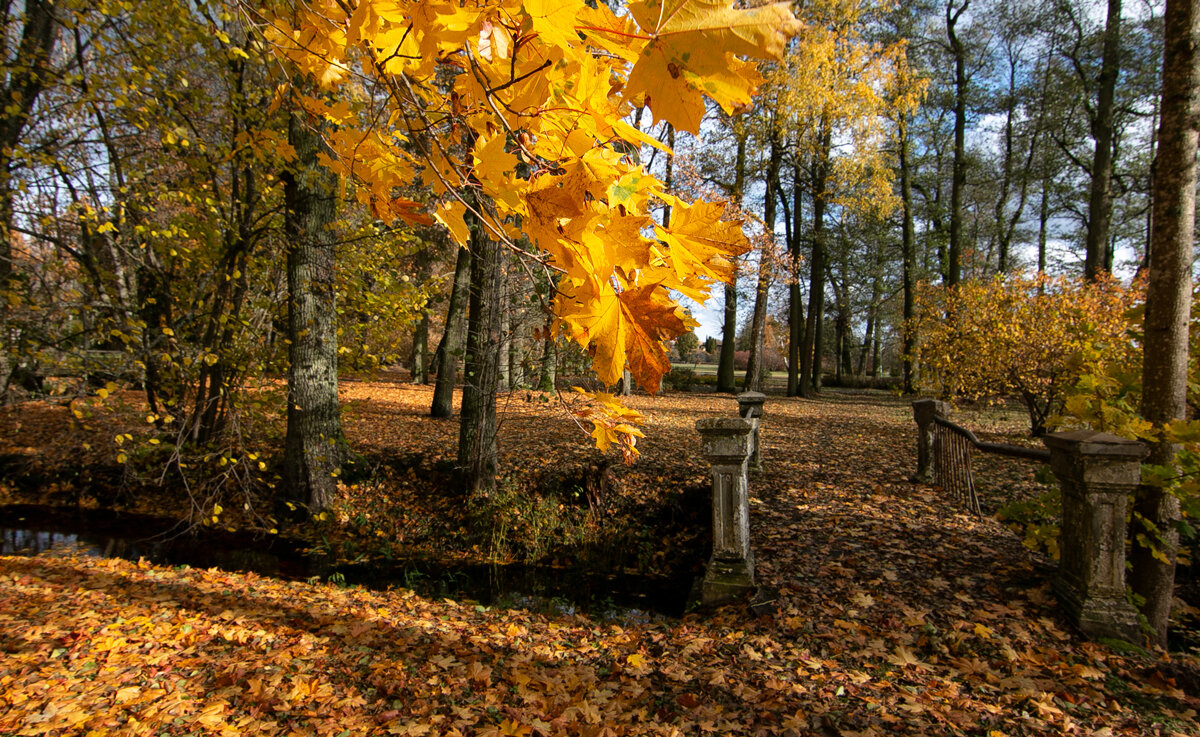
<point>29,530</point>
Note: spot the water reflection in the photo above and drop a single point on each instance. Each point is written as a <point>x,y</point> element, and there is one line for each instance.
<point>209,551</point>
<point>621,596</point>
<point>33,542</point>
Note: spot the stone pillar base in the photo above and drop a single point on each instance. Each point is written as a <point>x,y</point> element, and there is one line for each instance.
<point>727,580</point>
<point>1098,616</point>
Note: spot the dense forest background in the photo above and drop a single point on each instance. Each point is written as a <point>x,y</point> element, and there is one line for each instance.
<point>147,151</point>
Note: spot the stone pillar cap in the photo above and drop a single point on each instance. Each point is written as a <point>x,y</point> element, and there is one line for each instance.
<point>723,426</point>
<point>750,404</point>
<point>1096,443</point>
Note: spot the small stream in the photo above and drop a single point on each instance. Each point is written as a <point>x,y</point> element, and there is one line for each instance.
<point>31,530</point>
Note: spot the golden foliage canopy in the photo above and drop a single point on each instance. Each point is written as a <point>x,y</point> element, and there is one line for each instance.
<point>515,110</point>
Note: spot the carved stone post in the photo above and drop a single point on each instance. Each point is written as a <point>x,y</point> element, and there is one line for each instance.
<point>726,445</point>
<point>924,410</point>
<point>750,408</point>
<point>1097,472</point>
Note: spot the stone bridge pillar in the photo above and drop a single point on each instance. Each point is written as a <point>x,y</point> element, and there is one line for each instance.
<point>726,445</point>
<point>750,408</point>
<point>1097,472</point>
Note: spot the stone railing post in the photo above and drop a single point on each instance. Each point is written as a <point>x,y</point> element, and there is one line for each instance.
<point>924,410</point>
<point>1097,472</point>
<point>726,445</point>
<point>750,408</point>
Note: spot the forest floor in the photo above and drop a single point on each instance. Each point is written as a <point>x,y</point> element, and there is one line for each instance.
<point>883,609</point>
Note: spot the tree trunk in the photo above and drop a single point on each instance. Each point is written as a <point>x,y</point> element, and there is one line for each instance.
<point>1043,220</point>
<point>477,431</point>
<point>1168,301</point>
<point>908,246</point>
<point>516,320</point>
<point>450,346</point>
<point>503,365</point>
<point>810,354</point>
<point>872,313</point>
<point>419,358</point>
<point>795,305</point>
<point>314,447</point>
<point>841,340</point>
<point>26,76</point>
<point>758,325</point>
<point>1100,193</point>
<point>420,351</point>
<point>726,381</point>
<point>958,180</point>
<point>549,370</point>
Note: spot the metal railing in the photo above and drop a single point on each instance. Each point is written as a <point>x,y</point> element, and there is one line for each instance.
<point>944,453</point>
<point>952,460</point>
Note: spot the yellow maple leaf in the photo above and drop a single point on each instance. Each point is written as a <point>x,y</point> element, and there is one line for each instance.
<point>904,657</point>
<point>442,25</point>
<point>450,215</point>
<point>623,329</point>
<point>554,20</point>
<point>658,81</point>
<point>701,244</point>
<point>704,25</point>
<point>608,32</point>
<point>550,202</point>
<point>678,64</point>
<point>612,423</point>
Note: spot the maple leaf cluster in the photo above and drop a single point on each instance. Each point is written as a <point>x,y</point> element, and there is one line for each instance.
<point>513,114</point>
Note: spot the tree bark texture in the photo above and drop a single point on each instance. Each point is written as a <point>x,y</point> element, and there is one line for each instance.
<point>477,431</point>
<point>419,358</point>
<point>450,346</point>
<point>758,325</point>
<point>908,246</point>
<point>24,82</point>
<point>1168,301</point>
<point>420,351</point>
<point>958,179</point>
<point>314,447</point>
<point>726,381</point>
<point>548,374</point>
<point>795,304</point>
<point>1100,191</point>
<point>810,354</point>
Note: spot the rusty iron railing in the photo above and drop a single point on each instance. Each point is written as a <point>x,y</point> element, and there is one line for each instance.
<point>944,453</point>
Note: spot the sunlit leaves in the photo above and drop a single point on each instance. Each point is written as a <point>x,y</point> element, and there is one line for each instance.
<point>1021,335</point>
<point>836,90</point>
<point>612,422</point>
<point>691,50</point>
<point>533,121</point>
<point>637,320</point>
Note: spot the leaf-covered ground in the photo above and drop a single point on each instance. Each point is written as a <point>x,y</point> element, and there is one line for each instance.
<point>889,613</point>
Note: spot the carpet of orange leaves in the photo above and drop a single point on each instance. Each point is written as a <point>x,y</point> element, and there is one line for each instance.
<point>892,613</point>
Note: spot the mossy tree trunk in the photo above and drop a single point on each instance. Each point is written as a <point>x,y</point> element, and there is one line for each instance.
<point>314,448</point>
